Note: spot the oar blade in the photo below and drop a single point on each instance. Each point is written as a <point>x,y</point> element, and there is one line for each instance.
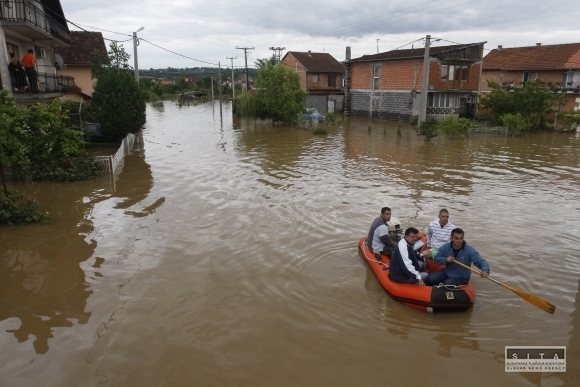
<point>542,304</point>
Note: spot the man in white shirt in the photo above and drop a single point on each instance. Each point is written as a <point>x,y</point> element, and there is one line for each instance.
<point>438,233</point>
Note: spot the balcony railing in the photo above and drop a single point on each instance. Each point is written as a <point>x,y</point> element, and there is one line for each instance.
<point>23,11</point>
<point>45,83</point>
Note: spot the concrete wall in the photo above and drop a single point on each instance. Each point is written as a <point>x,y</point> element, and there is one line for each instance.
<point>82,76</point>
<point>391,105</point>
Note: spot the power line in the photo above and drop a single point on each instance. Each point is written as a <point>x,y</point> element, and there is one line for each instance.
<point>173,52</point>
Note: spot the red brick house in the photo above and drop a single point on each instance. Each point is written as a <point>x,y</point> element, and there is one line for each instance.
<point>556,66</point>
<point>388,85</point>
<point>321,76</point>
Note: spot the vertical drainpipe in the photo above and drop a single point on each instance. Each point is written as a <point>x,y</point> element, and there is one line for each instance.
<point>347,107</point>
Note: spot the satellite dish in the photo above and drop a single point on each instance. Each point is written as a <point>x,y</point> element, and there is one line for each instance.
<point>57,61</point>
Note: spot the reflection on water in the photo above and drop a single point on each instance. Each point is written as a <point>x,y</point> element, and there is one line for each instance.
<point>227,256</point>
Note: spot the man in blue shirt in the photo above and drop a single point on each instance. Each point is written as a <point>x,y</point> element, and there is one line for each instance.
<point>456,250</point>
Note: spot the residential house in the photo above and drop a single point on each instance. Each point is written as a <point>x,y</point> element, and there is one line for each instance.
<point>39,25</point>
<point>555,66</point>
<point>77,58</point>
<point>388,85</point>
<point>321,76</point>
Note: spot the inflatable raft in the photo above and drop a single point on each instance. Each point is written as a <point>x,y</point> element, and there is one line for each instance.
<point>432,299</point>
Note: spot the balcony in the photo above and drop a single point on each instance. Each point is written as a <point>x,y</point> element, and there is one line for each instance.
<point>48,86</point>
<point>27,19</point>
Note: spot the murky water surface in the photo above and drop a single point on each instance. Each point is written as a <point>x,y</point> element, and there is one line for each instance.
<point>225,255</point>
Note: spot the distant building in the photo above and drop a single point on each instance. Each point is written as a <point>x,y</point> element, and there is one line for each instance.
<point>555,66</point>
<point>321,75</point>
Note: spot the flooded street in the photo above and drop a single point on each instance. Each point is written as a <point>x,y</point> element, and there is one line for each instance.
<point>225,254</point>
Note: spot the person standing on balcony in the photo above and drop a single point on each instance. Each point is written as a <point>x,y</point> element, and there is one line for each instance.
<point>29,63</point>
<point>17,74</point>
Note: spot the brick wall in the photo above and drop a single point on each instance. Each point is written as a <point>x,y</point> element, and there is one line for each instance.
<point>408,75</point>
<point>506,76</point>
<point>291,62</point>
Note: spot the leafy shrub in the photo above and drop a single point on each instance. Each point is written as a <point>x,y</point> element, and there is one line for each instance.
<point>331,118</point>
<point>16,208</point>
<point>429,128</point>
<point>454,127</point>
<point>319,131</point>
<point>570,119</point>
<point>414,120</point>
<point>515,123</point>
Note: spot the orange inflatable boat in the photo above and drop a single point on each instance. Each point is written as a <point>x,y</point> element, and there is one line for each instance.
<point>432,299</point>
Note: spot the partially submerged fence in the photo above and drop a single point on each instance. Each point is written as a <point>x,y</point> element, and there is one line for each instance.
<point>112,166</point>
<point>489,129</point>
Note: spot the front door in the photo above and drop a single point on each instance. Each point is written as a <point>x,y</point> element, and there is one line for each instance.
<point>331,106</point>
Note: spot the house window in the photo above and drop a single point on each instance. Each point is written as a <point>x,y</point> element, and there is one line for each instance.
<point>12,51</point>
<point>454,72</point>
<point>568,78</point>
<point>526,77</point>
<point>442,100</point>
<point>376,76</point>
<point>331,80</point>
<point>315,78</point>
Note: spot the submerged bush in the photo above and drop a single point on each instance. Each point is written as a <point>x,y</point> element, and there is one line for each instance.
<point>16,208</point>
<point>429,128</point>
<point>319,131</point>
<point>454,127</point>
<point>515,123</point>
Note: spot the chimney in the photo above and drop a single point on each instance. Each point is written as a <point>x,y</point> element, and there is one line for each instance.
<point>309,53</point>
<point>499,47</point>
<point>347,53</point>
<point>538,44</point>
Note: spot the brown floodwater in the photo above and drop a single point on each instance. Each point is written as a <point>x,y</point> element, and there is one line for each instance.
<point>225,254</point>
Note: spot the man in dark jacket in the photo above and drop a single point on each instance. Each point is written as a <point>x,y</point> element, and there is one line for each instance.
<point>406,264</point>
<point>456,250</point>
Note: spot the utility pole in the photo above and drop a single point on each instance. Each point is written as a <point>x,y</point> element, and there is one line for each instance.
<point>246,56</point>
<point>424,84</point>
<point>135,44</point>
<point>233,86</point>
<point>212,88</point>
<point>277,54</point>
<point>378,45</point>
<point>220,85</point>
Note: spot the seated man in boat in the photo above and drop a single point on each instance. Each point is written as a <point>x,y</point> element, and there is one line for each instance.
<point>438,233</point>
<point>406,264</point>
<point>379,239</point>
<point>456,250</point>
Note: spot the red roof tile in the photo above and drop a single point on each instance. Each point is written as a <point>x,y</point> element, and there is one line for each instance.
<point>82,47</point>
<point>549,57</point>
<point>317,61</point>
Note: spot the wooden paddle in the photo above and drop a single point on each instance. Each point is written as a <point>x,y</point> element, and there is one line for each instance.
<point>544,305</point>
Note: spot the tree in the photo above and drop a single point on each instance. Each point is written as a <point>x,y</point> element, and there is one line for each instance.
<point>12,151</point>
<point>118,99</point>
<point>532,101</point>
<point>278,96</point>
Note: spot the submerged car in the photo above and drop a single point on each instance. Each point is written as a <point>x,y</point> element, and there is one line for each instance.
<point>312,114</point>
<point>94,132</point>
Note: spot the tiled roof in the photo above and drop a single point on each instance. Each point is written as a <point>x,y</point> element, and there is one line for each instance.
<point>317,61</point>
<point>556,56</point>
<point>82,47</point>
<point>413,53</point>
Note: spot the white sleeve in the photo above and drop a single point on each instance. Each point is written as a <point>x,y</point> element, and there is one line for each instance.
<point>402,246</point>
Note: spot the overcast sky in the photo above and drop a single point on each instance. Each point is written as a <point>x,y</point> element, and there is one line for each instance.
<point>210,31</point>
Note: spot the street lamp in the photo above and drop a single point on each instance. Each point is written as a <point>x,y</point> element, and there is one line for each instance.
<point>135,44</point>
